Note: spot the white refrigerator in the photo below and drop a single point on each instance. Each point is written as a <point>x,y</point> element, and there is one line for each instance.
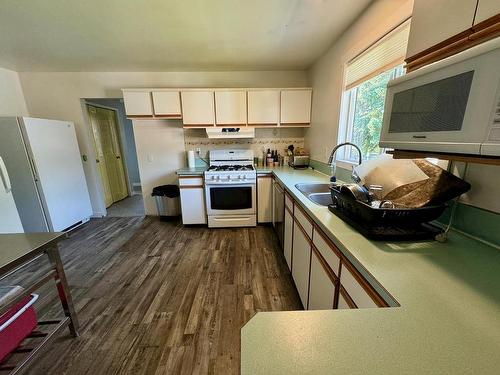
<point>9,217</point>
<point>46,173</point>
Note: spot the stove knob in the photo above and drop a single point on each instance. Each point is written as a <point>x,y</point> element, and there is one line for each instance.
<point>242,177</point>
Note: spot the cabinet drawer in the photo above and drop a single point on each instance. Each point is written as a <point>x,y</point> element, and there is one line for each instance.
<point>190,181</point>
<point>303,221</point>
<point>328,252</point>
<point>289,202</point>
<point>355,290</point>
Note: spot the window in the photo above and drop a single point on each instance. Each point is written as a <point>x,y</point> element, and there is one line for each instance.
<point>363,100</point>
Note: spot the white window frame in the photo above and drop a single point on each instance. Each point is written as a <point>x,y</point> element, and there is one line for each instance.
<point>347,156</point>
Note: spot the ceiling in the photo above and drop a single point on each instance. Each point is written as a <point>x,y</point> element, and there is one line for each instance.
<point>169,35</point>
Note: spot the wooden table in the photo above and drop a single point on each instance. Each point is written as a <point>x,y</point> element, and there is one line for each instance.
<point>17,251</point>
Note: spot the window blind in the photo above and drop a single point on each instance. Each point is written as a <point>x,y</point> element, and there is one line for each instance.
<point>385,54</point>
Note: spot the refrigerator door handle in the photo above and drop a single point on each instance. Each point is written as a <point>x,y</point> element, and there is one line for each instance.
<point>5,176</point>
<point>33,169</point>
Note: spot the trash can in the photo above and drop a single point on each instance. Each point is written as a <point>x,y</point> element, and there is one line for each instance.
<point>167,201</point>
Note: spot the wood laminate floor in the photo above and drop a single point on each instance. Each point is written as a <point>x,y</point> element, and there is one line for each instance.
<point>160,298</point>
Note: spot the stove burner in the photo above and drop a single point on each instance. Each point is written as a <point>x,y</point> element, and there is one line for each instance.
<point>228,168</point>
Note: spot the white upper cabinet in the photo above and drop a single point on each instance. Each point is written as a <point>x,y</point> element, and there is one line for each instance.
<point>198,108</point>
<point>167,104</point>
<point>486,9</point>
<point>263,107</point>
<point>231,107</point>
<point>434,21</point>
<point>138,103</point>
<point>296,106</point>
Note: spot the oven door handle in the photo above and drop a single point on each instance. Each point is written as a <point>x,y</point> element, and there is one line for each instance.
<point>241,182</point>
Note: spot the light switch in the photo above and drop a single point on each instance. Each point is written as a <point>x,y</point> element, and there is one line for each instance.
<point>150,158</point>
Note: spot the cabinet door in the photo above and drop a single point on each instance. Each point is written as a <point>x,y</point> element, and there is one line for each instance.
<point>321,286</point>
<point>138,103</point>
<point>296,106</point>
<point>231,107</point>
<point>167,103</point>
<point>354,288</point>
<point>192,202</point>
<point>328,251</point>
<point>263,107</point>
<point>486,9</point>
<point>301,262</point>
<point>198,108</point>
<point>288,238</point>
<point>264,199</point>
<point>434,21</point>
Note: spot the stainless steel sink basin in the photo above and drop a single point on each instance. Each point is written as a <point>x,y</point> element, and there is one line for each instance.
<point>323,199</point>
<point>317,193</point>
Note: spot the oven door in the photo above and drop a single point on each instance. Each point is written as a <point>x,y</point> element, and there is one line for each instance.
<point>230,199</point>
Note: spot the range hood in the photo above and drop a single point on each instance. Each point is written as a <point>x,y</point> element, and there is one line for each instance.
<point>246,132</point>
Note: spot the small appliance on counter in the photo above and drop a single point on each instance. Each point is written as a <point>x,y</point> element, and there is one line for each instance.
<point>297,159</point>
<point>396,199</point>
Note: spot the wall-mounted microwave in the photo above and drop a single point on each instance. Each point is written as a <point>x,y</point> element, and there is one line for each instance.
<point>450,106</point>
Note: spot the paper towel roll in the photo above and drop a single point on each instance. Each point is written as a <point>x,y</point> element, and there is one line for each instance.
<point>191,162</point>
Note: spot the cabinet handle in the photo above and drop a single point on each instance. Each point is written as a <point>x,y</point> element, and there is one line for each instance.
<point>419,136</point>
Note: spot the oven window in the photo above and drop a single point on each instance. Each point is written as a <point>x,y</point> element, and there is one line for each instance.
<point>231,198</point>
<point>435,107</point>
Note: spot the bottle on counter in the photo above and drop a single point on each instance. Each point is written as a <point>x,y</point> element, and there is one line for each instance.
<point>269,159</point>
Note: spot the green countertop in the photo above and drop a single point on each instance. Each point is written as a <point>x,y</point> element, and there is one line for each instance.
<point>191,171</point>
<point>448,321</point>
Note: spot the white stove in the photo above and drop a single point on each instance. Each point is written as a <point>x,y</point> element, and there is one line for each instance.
<point>230,189</point>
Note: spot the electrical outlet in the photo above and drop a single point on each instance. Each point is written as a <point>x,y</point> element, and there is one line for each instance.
<point>198,151</point>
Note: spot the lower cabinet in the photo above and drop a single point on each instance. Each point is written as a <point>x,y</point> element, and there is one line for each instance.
<point>300,262</point>
<point>288,238</point>
<point>192,200</point>
<point>264,199</point>
<point>324,277</point>
<point>354,289</point>
<point>321,285</point>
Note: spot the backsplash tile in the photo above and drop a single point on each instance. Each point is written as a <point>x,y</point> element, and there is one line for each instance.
<point>276,139</point>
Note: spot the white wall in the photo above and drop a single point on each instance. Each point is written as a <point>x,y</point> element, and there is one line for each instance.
<point>160,150</point>
<point>57,95</point>
<point>326,75</point>
<point>12,101</point>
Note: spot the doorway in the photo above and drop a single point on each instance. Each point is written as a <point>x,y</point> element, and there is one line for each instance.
<point>108,149</point>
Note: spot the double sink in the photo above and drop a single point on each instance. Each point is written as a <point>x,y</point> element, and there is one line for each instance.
<point>317,193</point>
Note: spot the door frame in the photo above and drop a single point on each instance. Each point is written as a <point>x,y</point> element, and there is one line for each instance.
<point>88,102</point>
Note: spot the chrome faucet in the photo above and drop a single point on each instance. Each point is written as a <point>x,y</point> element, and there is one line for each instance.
<point>333,164</point>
